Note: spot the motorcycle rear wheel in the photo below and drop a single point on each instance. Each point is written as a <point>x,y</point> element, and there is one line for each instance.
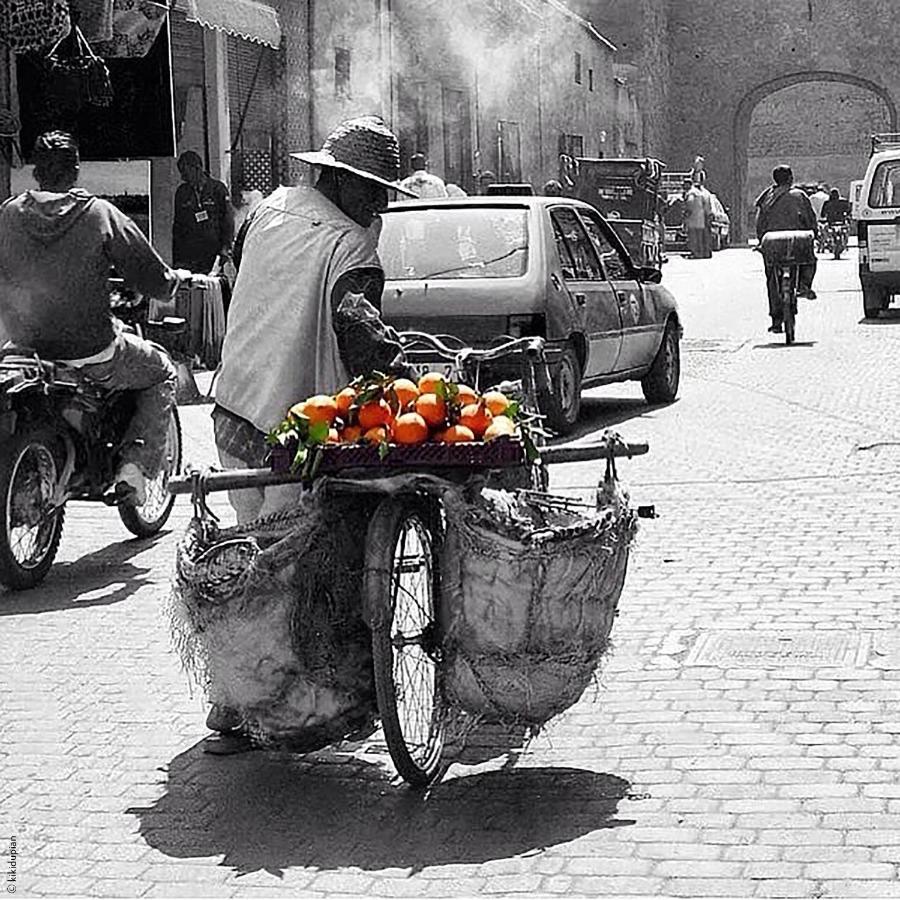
<point>147,519</point>
<point>29,534</point>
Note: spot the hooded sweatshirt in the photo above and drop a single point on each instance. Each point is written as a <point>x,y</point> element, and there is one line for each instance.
<point>56,250</point>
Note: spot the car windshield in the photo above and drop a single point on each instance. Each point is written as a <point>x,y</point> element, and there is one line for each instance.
<point>454,242</point>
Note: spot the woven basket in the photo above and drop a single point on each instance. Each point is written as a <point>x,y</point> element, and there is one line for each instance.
<point>528,605</point>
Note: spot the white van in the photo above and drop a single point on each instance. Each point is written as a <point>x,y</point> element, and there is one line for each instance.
<point>878,226</point>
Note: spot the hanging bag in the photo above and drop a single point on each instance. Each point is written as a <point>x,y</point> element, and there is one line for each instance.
<point>76,75</point>
<point>33,24</point>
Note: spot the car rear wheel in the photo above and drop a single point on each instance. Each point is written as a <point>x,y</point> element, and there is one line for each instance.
<point>660,384</point>
<point>561,404</point>
<point>875,299</point>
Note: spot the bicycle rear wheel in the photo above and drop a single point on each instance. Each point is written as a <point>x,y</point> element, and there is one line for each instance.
<point>402,592</point>
<point>789,302</point>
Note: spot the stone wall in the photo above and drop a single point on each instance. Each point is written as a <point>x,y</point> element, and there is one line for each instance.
<point>728,55</point>
<point>820,129</point>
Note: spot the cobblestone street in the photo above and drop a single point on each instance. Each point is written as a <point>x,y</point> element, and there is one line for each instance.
<point>742,739</point>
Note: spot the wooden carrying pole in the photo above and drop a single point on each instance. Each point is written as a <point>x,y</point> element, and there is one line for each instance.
<point>234,479</point>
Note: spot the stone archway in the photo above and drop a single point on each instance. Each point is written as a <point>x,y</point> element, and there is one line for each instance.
<point>741,127</point>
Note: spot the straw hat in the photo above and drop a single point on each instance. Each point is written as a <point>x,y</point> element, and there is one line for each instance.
<point>364,146</point>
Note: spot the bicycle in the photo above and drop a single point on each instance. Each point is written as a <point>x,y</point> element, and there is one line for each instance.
<point>786,252</point>
<point>402,581</point>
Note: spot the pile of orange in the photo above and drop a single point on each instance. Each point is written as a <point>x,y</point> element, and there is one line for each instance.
<point>401,411</point>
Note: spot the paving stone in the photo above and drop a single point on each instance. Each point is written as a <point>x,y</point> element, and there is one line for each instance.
<point>785,888</point>
<point>708,887</point>
<point>595,886</point>
<point>856,871</point>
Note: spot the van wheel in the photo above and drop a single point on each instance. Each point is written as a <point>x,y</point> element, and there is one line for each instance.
<point>875,299</point>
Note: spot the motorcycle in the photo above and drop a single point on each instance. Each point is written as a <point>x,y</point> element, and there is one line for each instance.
<point>61,438</point>
<point>834,238</point>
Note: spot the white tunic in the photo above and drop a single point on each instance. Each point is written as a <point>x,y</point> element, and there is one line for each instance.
<point>280,346</point>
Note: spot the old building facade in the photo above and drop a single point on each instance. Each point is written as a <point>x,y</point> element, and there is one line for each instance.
<point>503,86</point>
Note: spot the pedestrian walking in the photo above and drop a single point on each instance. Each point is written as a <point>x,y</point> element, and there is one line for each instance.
<point>697,211</point>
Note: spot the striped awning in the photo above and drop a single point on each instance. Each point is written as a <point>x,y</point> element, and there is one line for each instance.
<point>248,19</point>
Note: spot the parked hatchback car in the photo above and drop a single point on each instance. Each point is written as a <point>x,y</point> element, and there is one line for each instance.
<point>484,267</point>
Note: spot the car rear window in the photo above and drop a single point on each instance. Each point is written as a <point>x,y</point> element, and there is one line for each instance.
<point>454,242</point>
<point>885,190</point>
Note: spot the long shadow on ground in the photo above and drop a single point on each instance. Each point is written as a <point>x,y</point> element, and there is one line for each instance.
<point>108,574</point>
<point>274,811</point>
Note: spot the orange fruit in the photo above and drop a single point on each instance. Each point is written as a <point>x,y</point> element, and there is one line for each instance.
<point>350,434</point>
<point>410,428</point>
<point>333,436</point>
<point>456,434</point>
<point>476,417</point>
<point>377,435</point>
<point>343,401</point>
<point>429,381</point>
<point>502,426</point>
<point>432,409</point>
<point>466,395</point>
<point>320,408</point>
<point>373,414</point>
<point>496,402</point>
<point>405,390</point>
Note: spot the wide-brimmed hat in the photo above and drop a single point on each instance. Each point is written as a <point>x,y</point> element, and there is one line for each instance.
<point>364,146</point>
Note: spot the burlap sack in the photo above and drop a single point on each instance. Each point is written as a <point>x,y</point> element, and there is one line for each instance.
<point>528,602</point>
<point>267,617</point>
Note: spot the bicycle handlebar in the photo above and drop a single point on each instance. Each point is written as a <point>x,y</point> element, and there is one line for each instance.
<point>532,346</point>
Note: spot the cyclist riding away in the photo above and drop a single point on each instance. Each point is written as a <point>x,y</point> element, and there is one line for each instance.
<point>782,207</point>
<point>57,246</point>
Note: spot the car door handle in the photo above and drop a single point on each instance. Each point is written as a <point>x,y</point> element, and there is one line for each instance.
<point>580,299</point>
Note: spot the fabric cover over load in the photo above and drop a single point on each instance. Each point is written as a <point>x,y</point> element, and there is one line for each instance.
<point>267,618</point>
<point>271,618</point>
<point>530,586</point>
<point>788,247</point>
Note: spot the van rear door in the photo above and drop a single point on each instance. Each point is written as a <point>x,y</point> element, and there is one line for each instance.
<point>879,234</point>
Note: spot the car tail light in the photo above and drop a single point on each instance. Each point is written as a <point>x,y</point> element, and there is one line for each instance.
<point>531,325</point>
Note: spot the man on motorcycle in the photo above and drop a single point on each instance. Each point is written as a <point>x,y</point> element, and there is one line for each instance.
<point>782,207</point>
<point>836,210</point>
<point>57,246</point>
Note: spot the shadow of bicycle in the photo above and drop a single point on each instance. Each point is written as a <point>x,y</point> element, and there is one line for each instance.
<point>101,578</point>
<point>273,812</point>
